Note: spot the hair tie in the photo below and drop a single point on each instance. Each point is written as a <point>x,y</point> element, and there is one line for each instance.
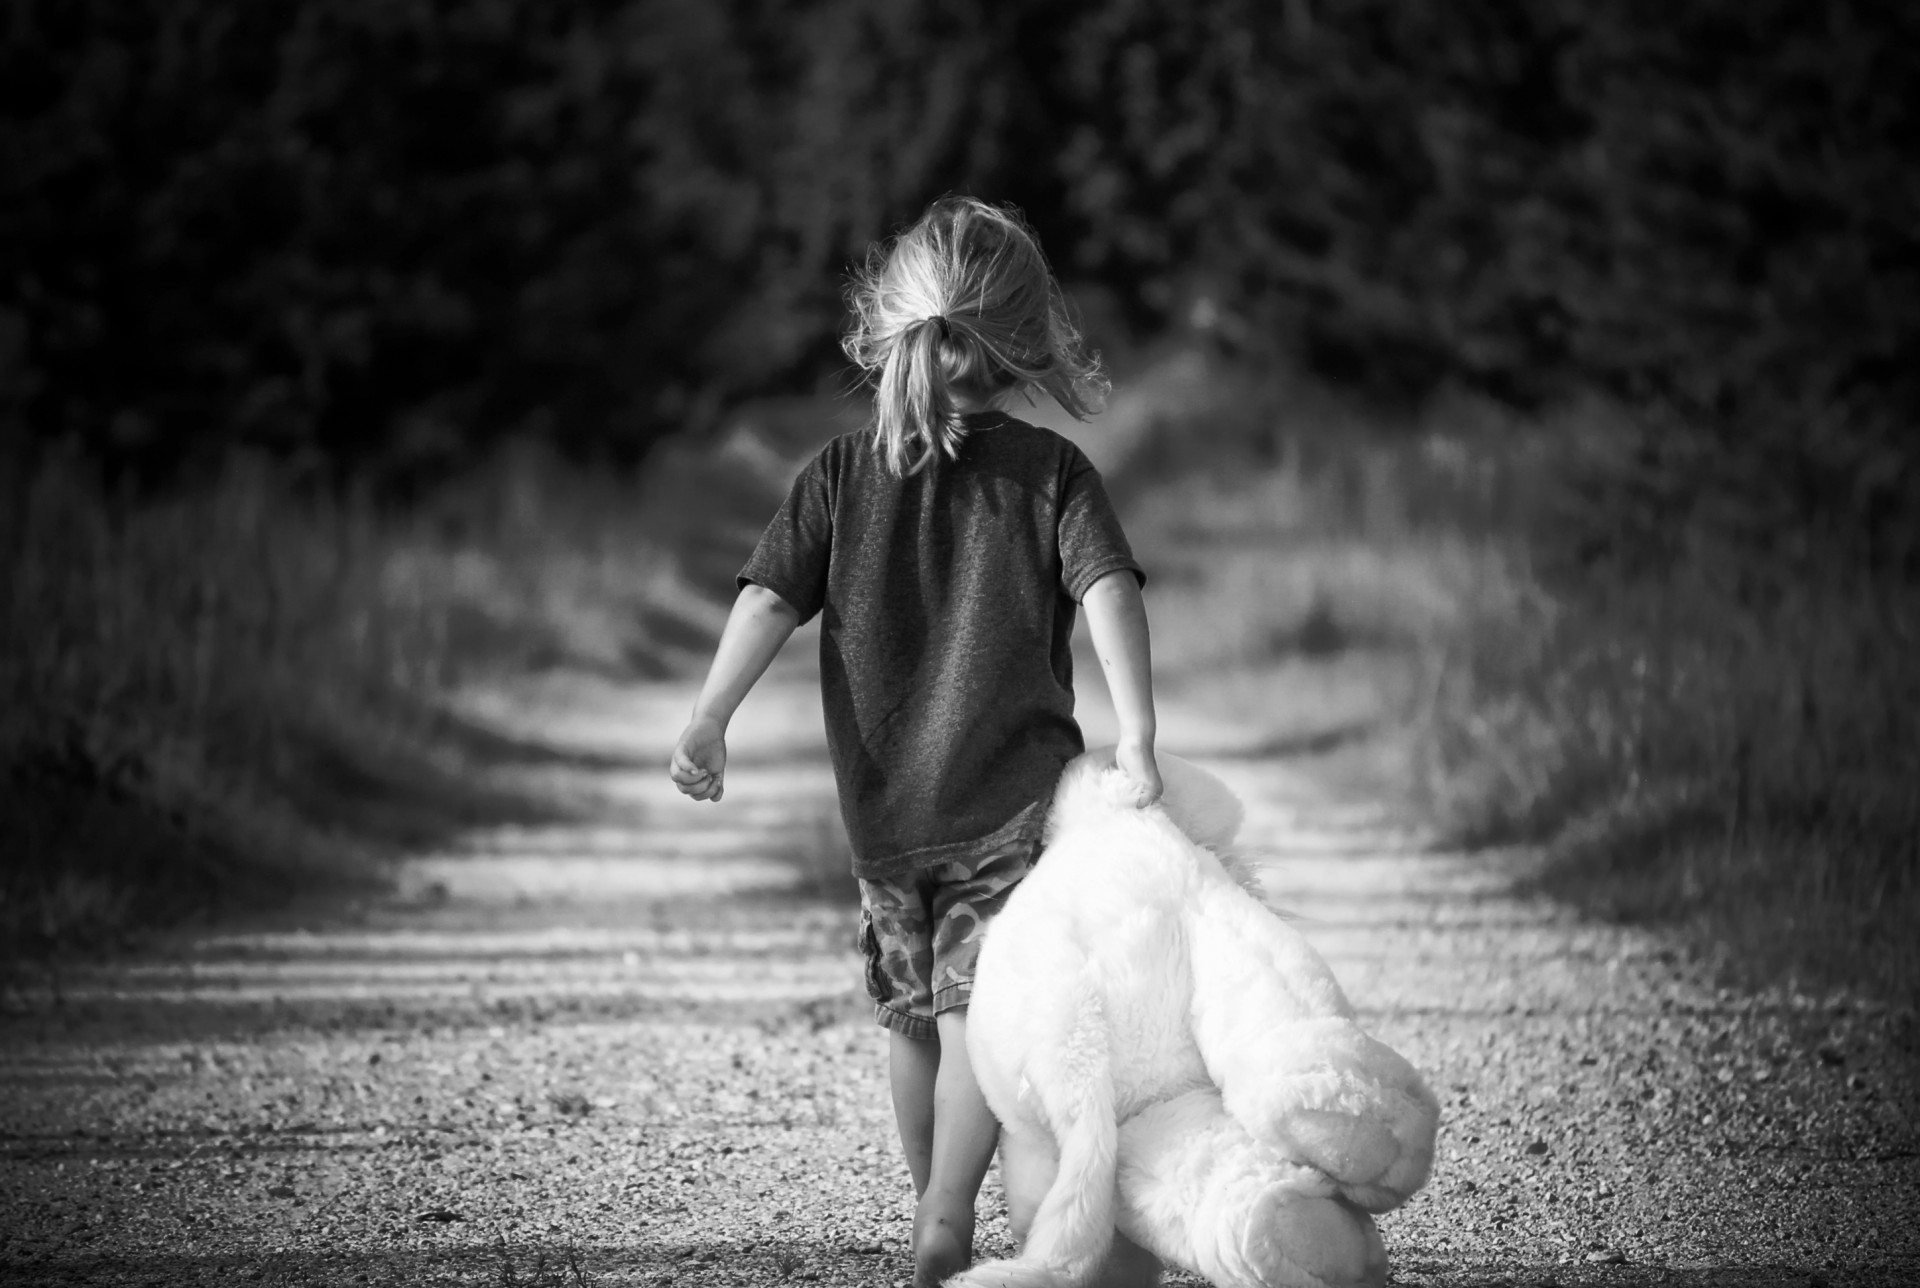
<point>940,320</point>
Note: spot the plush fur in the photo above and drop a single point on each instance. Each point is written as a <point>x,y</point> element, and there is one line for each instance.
<point>1171,1060</point>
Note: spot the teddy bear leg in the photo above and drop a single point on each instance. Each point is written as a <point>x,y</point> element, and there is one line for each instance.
<point>1199,1191</point>
<point>1311,1239</point>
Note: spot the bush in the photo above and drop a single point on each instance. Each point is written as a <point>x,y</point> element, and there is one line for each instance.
<point>359,230</point>
<point>1704,208</point>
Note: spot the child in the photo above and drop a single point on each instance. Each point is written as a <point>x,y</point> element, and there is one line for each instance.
<point>945,548</point>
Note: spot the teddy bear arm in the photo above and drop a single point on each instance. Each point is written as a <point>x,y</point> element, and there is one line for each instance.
<point>1368,1119</point>
<point>1276,1036</point>
<point>1258,990</point>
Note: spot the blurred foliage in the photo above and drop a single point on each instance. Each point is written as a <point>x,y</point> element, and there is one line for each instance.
<point>1708,207</point>
<point>392,227</point>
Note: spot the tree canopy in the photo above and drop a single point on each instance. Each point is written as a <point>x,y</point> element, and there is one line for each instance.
<point>386,230</point>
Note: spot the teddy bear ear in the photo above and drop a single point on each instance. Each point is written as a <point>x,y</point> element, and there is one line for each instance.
<point>1199,804</point>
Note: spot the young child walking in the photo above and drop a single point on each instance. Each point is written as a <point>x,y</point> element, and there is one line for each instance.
<point>945,548</point>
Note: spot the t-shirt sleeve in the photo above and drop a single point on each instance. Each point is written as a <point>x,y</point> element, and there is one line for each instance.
<point>791,559</point>
<point>1092,543</point>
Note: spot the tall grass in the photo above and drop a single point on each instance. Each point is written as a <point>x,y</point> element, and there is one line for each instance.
<point>1715,740</point>
<point>194,687</point>
<point>1723,740</point>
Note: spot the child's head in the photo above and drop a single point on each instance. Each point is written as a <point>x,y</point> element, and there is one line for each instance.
<point>962,306</point>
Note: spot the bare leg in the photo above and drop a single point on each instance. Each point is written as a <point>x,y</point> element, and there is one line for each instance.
<point>912,1065</point>
<point>964,1132</point>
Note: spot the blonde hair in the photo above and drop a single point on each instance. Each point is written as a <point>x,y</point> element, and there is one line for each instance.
<point>964,300</point>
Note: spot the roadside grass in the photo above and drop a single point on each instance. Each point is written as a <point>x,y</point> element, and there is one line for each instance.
<point>1694,753</point>
<point>1723,743</point>
<point>210,698</point>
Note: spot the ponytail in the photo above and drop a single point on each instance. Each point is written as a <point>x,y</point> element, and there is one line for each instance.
<point>914,416</point>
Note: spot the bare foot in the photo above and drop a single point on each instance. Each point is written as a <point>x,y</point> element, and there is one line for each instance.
<point>942,1247</point>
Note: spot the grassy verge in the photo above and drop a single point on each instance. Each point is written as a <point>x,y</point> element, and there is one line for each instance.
<point>1716,744</point>
<point>217,696</point>
<point>1723,743</point>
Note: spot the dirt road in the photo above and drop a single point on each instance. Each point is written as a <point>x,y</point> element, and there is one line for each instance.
<point>628,1047</point>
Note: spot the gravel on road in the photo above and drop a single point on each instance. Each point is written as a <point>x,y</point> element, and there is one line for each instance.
<point>631,1048</point>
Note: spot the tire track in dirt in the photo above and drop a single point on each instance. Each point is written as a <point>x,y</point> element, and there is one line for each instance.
<point>631,1048</point>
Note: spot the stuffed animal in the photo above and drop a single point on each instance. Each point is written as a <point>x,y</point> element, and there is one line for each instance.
<point>1171,1060</point>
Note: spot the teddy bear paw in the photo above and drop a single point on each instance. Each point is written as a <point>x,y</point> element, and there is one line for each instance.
<point>1375,1168</point>
<point>1299,1240</point>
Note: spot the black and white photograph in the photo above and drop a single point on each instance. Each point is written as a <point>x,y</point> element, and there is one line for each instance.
<point>945,644</point>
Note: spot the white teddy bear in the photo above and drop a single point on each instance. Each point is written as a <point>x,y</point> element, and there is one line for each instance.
<point>1170,1059</point>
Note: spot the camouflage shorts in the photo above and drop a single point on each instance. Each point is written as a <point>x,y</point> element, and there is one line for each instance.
<point>921,934</point>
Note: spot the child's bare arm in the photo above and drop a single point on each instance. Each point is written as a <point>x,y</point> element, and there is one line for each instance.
<point>1117,620</point>
<point>760,623</point>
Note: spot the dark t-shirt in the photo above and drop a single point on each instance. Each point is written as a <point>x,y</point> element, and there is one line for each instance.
<point>948,600</point>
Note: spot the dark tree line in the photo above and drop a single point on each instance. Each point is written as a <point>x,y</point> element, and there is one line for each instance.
<point>387,229</point>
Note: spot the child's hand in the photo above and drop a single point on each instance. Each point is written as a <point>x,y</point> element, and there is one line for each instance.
<point>1136,761</point>
<point>700,759</point>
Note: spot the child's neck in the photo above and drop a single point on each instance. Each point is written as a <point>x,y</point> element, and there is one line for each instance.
<point>970,402</point>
